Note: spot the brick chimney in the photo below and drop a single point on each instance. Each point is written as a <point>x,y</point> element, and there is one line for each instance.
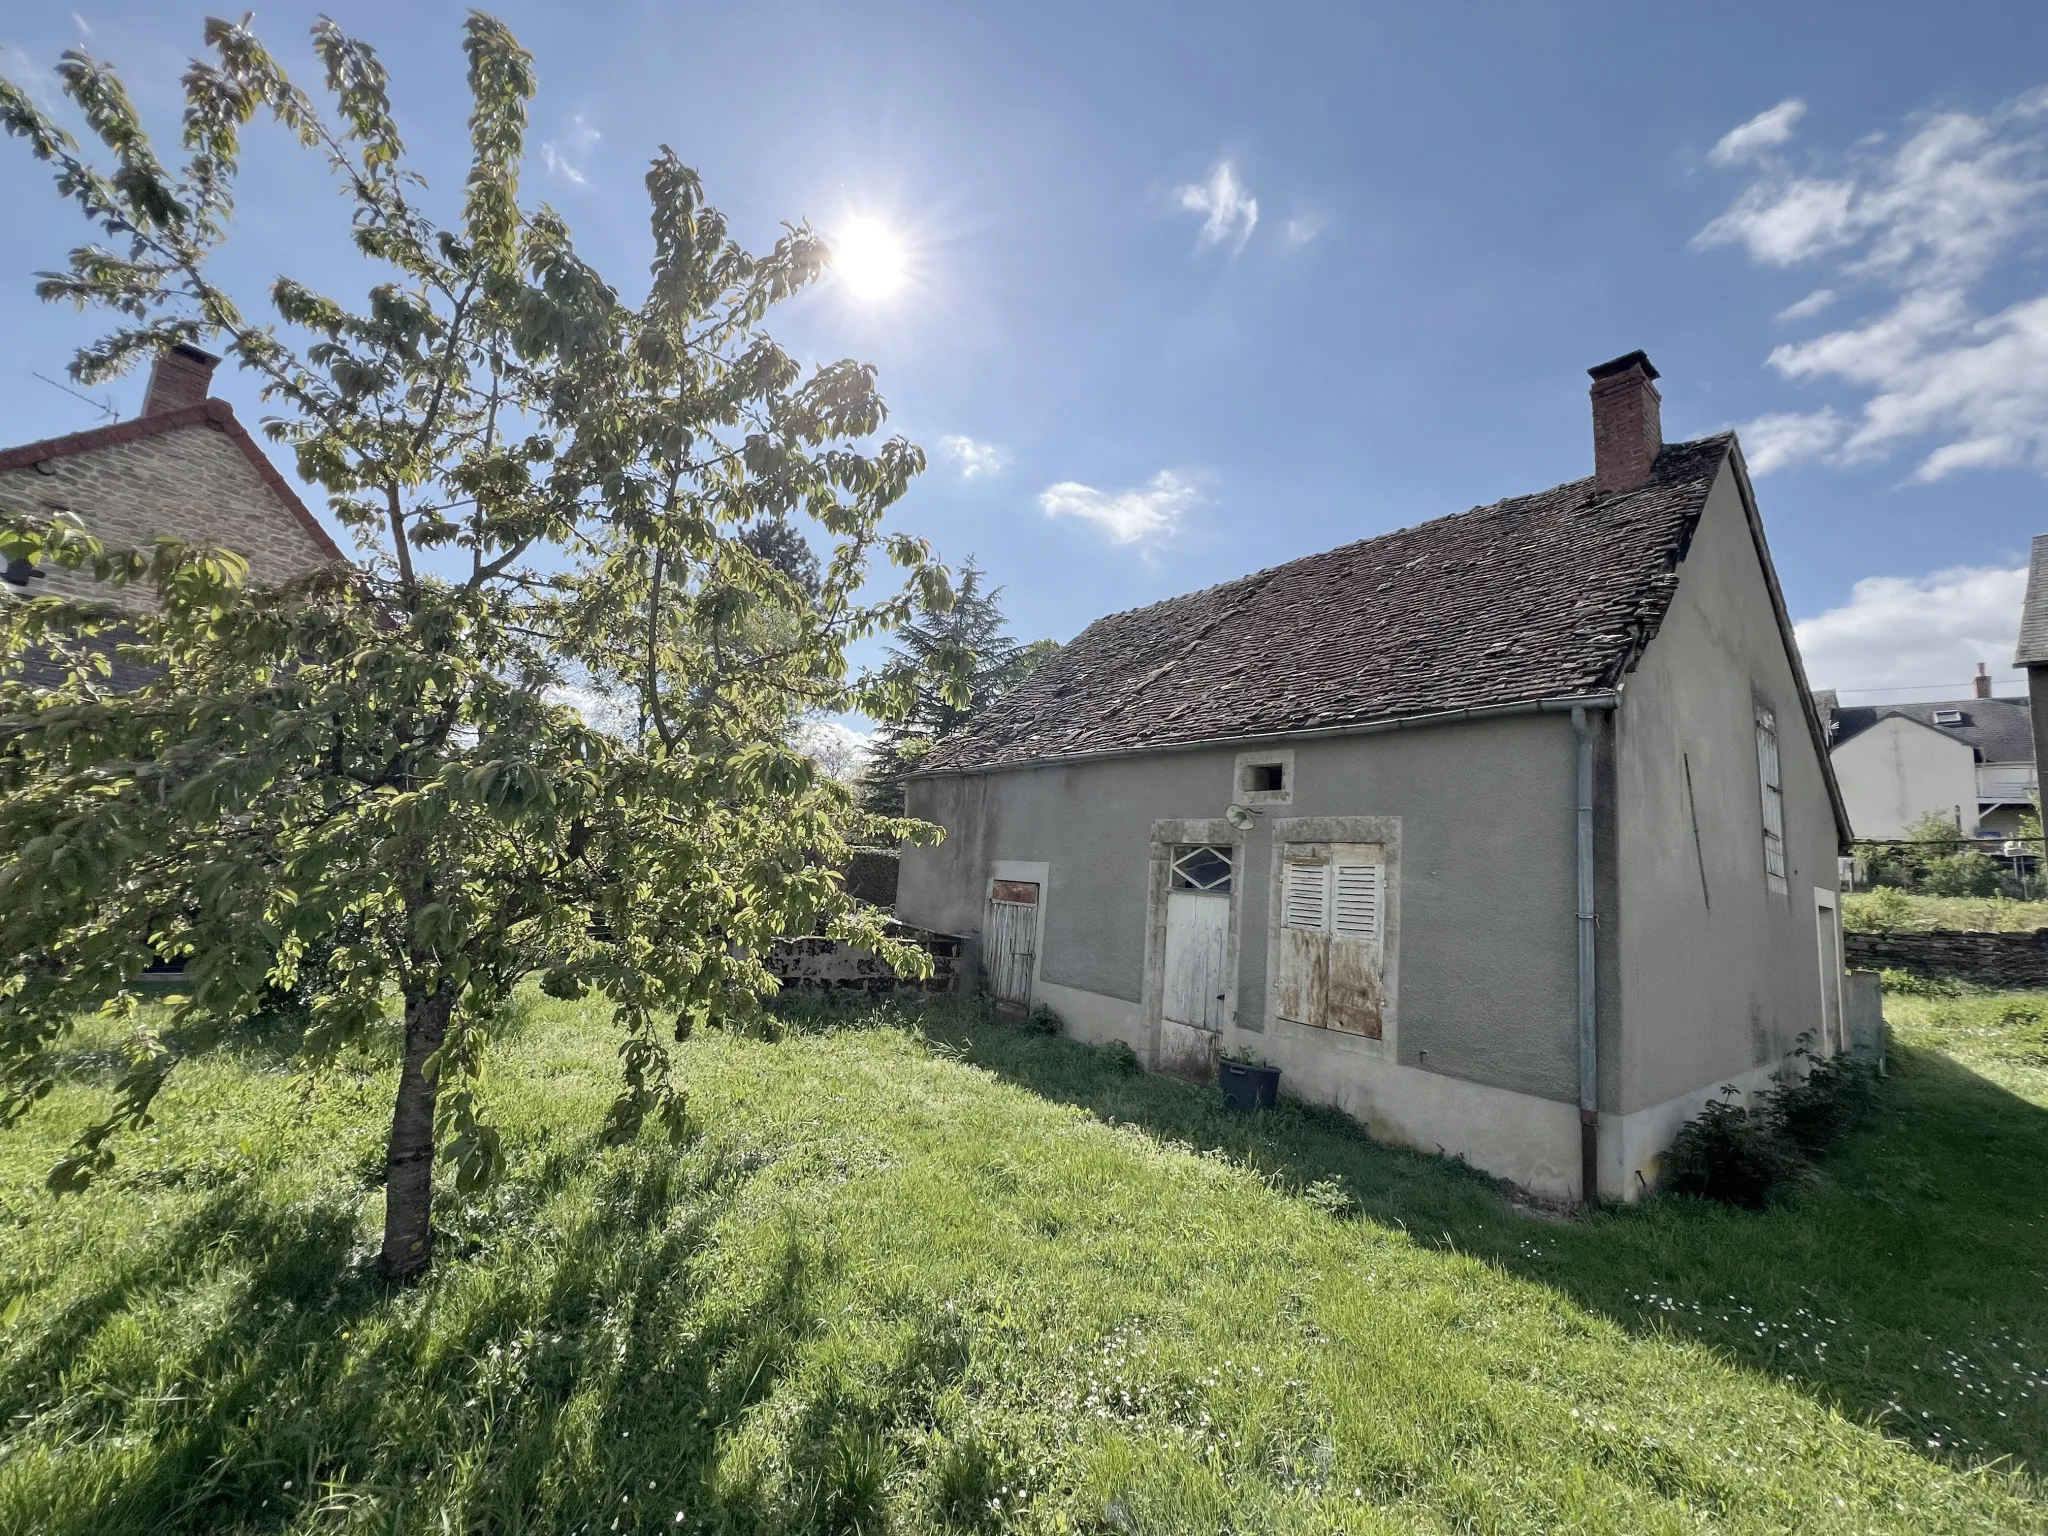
<point>1983,682</point>
<point>181,377</point>
<point>1628,428</point>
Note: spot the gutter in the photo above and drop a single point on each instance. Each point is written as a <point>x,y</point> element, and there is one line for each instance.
<point>1588,927</point>
<point>1557,705</point>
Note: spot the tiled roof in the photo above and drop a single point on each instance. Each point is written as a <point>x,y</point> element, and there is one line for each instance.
<point>2033,646</point>
<point>1534,597</point>
<point>2000,730</point>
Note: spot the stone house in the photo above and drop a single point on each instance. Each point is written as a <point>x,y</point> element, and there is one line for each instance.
<point>1511,834</point>
<point>184,467</point>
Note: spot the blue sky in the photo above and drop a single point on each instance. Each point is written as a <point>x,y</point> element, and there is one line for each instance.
<point>1193,290</point>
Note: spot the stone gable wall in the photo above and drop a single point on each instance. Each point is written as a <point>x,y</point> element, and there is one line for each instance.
<point>193,483</point>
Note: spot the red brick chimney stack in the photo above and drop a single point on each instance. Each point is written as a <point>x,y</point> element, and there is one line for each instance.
<point>1983,681</point>
<point>1628,427</point>
<point>181,377</point>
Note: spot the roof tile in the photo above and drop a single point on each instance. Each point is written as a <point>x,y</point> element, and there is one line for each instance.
<point>1529,598</point>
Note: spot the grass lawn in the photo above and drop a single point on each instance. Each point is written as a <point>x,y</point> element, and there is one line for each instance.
<point>1874,911</point>
<point>923,1271</point>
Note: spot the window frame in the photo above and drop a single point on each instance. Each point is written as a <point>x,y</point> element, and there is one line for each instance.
<point>1770,773</point>
<point>1179,879</point>
<point>1281,758</point>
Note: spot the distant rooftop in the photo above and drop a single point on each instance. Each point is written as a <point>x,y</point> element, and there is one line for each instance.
<point>1999,730</point>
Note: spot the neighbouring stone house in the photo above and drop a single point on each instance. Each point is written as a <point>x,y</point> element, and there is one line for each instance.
<point>1512,834</point>
<point>184,467</point>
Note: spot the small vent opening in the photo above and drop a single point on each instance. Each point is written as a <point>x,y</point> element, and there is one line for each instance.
<point>1265,778</point>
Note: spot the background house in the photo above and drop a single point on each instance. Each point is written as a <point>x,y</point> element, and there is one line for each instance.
<point>184,467</point>
<point>1968,759</point>
<point>1512,834</point>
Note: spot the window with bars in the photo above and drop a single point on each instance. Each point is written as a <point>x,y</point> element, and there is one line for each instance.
<point>1773,792</point>
<point>1202,867</point>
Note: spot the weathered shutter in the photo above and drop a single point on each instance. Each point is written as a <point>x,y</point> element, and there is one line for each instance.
<point>1352,998</point>
<point>1355,910</point>
<point>1304,941</point>
<point>1306,901</point>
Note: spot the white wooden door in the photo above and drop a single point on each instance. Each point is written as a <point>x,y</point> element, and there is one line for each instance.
<point>1197,953</point>
<point>1010,939</point>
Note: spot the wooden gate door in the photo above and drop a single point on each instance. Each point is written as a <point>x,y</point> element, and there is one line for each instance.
<point>1195,969</point>
<point>1011,940</point>
<point>1197,947</point>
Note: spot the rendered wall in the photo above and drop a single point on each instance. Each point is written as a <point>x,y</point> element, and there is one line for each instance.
<point>1897,771</point>
<point>1718,974</point>
<point>1484,897</point>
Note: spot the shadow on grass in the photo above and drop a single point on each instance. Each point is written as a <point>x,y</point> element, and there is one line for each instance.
<point>234,1369</point>
<point>1905,1289</point>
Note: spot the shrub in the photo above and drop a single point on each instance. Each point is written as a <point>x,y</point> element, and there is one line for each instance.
<point>1743,1155</point>
<point>1042,1021</point>
<point>1965,872</point>
<point>1913,984</point>
<point>1732,1154</point>
<point>1877,911</point>
<point>1836,1095</point>
<point>1122,1059</point>
<point>1934,859</point>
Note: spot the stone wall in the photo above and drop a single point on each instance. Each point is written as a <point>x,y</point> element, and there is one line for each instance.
<point>832,965</point>
<point>1989,959</point>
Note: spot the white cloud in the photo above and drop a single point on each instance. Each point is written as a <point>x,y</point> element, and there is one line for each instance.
<point>84,26</point>
<point>1129,517</point>
<point>1923,217</point>
<point>1772,442</point>
<point>1785,223</point>
<point>1298,231</point>
<point>1765,131</point>
<point>1227,207</point>
<point>1903,632</point>
<point>975,459</point>
<point>1976,388</point>
<point>1808,307</point>
<point>560,155</point>
<point>1946,202</point>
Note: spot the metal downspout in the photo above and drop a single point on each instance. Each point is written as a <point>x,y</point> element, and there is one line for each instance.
<point>1589,1073</point>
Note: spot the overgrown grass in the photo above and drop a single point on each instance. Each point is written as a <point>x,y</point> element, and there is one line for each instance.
<point>1889,908</point>
<point>920,1271</point>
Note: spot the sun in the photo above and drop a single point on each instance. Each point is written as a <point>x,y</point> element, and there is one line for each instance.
<point>869,258</point>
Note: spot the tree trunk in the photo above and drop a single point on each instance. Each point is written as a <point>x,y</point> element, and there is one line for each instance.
<point>409,1162</point>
